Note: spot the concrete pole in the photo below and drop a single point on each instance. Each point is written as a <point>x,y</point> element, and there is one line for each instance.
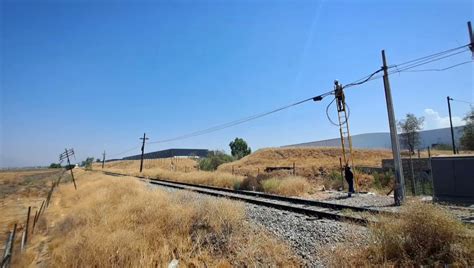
<point>399,191</point>
<point>451,124</point>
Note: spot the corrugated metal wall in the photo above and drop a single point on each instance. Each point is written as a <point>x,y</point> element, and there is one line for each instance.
<point>453,179</point>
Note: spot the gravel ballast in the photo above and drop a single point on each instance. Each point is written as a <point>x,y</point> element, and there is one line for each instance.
<point>307,236</point>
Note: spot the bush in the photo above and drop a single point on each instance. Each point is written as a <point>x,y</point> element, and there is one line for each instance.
<point>87,164</point>
<point>333,181</point>
<point>383,181</point>
<point>213,160</point>
<point>252,184</point>
<point>54,165</point>
<point>422,234</point>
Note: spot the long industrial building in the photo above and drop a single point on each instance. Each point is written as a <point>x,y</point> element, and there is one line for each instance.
<point>382,140</point>
<point>194,153</point>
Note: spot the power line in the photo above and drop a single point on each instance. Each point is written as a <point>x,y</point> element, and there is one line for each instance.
<point>124,152</point>
<point>239,121</point>
<point>432,55</point>
<point>427,60</point>
<point>440,70</point>
<point>468,102</point>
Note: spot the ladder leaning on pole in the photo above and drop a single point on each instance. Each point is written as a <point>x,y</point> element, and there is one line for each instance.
<point>346,141</point>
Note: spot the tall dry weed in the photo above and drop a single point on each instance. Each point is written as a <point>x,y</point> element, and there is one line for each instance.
<point>423,234</point>
<point>121,223</point>
<point>290,186</point>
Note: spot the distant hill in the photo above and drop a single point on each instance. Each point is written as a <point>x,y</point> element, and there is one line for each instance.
<point>381,140</point>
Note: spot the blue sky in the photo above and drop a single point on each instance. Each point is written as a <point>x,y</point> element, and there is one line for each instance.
<point>95,75</point>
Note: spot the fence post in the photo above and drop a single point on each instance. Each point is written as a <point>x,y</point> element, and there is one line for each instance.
<point>413,184</point>
<point>294,169</point>
<point>41,208</point>
<point>431,174</point>
<point>27,225</point>
<point>34,221</point>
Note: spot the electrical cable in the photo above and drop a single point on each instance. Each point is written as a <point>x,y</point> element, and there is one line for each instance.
<point>329,117</point>
<point>468,102</point>
<point>239,121</point>
<point>126,151</point>
<point>439,70</point>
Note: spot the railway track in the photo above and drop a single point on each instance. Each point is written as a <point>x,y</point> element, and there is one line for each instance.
<point>318,209</point>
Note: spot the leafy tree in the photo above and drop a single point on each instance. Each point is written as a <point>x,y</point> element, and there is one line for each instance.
<point>87,163</point>
<point>54,165</point>
<point>98,160</point>
<point>410,138</point>
<point>467,139</point>
<point>213,160</point>
<point>239,148</point>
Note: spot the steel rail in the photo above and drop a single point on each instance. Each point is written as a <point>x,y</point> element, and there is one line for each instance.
<point>301,206</point>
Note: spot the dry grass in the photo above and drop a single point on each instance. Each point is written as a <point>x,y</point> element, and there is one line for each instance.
<point>20,189</point>
<point>424,234</point>
<point>184,170</point>
<point>310,162</point>
<point>119,222</point>
<point>290,186</point>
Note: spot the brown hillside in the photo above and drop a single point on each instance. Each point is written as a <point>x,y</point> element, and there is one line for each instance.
<point>309,161</point>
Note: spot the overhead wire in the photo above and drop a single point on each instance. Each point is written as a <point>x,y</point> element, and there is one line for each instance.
<point>236,122</point>
<point>468,102</point>
<point>440,70</point>
<point>124,152</point>
<point>397,68</point>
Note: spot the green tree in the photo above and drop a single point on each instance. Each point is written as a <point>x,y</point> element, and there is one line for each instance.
<point>54,165</point>
<point>239,148</point>
<point>410,138</point>
<point>213,160</point>
<point>467,139</point>
<point>98,160</point>
<point>87,164</point>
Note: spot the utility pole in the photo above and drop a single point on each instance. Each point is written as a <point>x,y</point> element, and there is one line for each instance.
<point>399,191</point>
<point>471,37</point>
<point>143,150</point>
<point>451,124</point>
<point>68,153</point>
<point>103,160</point>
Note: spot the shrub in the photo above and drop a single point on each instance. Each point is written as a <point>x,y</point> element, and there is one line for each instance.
<point>54,165</point>
<point>333,181</point>
<point>423,234</point>
<point>252,184</point>
<point>383,180</point>
<point>213,160</point>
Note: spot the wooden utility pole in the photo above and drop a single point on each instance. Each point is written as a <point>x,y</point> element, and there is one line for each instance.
<point>399,191</point>
<point>451,124</point>
<point>103,159</point>
<point>143,150</point>
<point>69,165</point>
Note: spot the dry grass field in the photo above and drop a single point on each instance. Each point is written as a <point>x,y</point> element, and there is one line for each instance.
<point>121,222</point>
<point>18,190</point>
<point>308,161</point>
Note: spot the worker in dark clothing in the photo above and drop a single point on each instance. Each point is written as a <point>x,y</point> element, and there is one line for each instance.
<point>350,179</point>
